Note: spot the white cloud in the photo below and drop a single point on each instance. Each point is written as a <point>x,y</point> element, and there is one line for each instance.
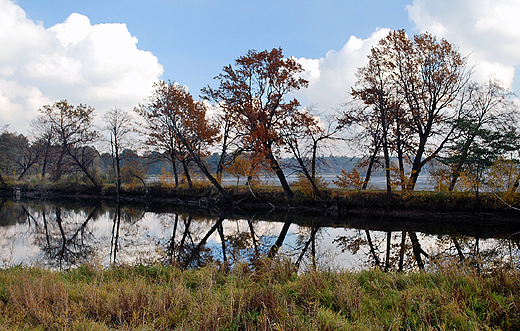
<point>485,30</point>
<point>331,77</point>
<point>488,30</point>
<point>98,65</point>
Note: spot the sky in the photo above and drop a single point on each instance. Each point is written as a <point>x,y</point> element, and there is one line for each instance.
<point>108,54</point>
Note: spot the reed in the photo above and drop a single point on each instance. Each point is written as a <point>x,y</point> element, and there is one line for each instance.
<point>271,295</point>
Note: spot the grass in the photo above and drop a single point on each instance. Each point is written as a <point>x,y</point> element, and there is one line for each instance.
<point>271,295</point>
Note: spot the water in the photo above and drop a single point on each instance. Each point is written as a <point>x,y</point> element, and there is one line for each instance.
<point>64,234</point>
<point>424,182</point>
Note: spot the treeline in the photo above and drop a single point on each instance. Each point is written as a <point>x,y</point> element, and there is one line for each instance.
<point>23,160</point>
<point>413,106</point>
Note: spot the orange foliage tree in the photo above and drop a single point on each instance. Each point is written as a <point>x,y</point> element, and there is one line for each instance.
<point>253,93</point>
<point>172,109</point>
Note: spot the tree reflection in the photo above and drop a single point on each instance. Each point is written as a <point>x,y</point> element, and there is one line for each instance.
<point>127,214</point>
<point>66,241</point>
<point>310,242</point>
<point>385,250</point>
<point>69,233</point>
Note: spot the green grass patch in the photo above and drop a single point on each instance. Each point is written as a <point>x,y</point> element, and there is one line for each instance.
<point>269,296</point>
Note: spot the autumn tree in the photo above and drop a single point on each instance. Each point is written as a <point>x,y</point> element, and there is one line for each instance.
<point>160,134</point>
<point>411,86</point>
<point>253,93</point>
<point>430,75</point>
<point>229,144</point>
<point>315,137</point>
<point>119,126</point>
<point>172,110</point>
<point>503,175</point>
<point>376,90</point>
<point>367,137</point>
<point>73,131</point>
<point>295,133</point>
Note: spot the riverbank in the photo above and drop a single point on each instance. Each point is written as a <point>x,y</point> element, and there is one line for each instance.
<point>270,198</point>
<point>271,295</point>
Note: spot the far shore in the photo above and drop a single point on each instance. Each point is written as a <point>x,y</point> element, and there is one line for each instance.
<point>338,202</point>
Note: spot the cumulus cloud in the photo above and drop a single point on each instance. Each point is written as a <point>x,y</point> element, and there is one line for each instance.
<point>331,77</point>
<point>487,30</point>
<point>98,65</point>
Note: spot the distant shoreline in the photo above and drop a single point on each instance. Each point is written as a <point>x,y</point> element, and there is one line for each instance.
<point>269,198</point>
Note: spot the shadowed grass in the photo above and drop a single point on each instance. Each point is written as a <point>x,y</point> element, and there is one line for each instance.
<point>269,296</point>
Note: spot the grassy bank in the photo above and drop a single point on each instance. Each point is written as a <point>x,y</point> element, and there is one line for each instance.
<point>337,201</point>
<point>271,296</point>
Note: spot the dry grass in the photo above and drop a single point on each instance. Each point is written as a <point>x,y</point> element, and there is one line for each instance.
<point>268,296</point>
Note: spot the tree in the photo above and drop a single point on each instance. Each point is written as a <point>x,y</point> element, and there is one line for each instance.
<point>503,175</point>
<point>377,91</point>
<point>487,112</point>
<point>296,131</point>
<point>72,128</point>
<point>160,134</point>
<point>486,147</point>
<point>119,126</point>
<point>253,94</point>
<point>351,179</point>
<point>27,155</point>
<point>44,135</point>
<point>230,137</point>
<point>411,87</point>
<point>368,136</point>
<point>184,120</point>
<point>430,74</point>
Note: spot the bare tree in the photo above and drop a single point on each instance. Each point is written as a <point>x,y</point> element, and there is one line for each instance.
<point>119,126</point>
<point>72,127</point>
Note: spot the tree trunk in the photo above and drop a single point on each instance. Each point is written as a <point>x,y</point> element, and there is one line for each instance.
<point>118,171</point>
<point>59,164</point>
<point>310,177</point>
<point>85,171</point>
<point>370,166</point>
<point>203,168</point>
<point>387,168</point>
<point>314,156</point>
<point>400,155</point>
<point>289,195</point>
<point>416,167</point>
<point>187,172</point>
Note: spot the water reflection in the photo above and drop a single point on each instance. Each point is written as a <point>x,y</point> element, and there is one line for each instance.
<point>65,233</point>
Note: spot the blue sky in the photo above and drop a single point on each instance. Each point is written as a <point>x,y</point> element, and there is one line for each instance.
<point>86,51</point>
<point>193,40</point>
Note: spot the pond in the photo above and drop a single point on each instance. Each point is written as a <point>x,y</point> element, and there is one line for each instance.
<point>63,234</point>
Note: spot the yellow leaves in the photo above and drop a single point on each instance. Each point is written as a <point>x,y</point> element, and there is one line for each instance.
<point>244,165</point>
<point>304,186</point>
<point>440,176</point>
<point>503,176</point>
<point>350,180</point>
<point>166,179</point>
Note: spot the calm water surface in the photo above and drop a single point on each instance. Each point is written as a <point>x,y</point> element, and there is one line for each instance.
<point>65,234</point>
